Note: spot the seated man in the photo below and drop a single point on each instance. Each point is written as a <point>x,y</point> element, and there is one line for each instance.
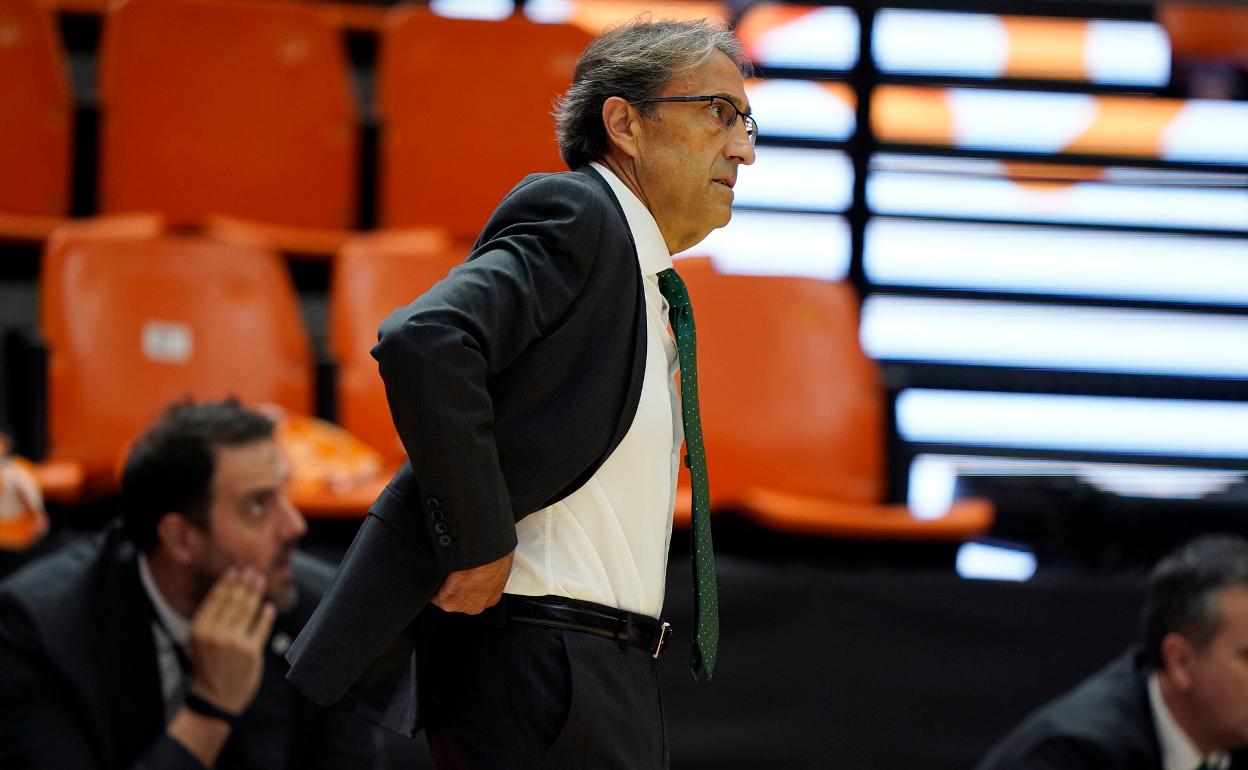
<point>159,643</point>
<point>1180,703</point>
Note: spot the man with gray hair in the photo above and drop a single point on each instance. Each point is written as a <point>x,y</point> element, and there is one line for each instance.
<point>1181,702</point>
<point>521,552</point>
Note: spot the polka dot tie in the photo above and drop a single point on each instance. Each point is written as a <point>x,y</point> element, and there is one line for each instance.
<point>705,597</point>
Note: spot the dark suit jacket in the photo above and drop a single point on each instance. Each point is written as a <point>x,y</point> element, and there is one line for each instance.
<point>1106,723</point>
<point>510,383</point>
<point>80,687</point>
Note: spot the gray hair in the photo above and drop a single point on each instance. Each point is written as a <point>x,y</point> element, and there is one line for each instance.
<point>632,61</point>
<point>1184,590</point>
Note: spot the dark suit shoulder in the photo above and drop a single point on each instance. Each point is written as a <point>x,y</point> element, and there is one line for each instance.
<point>569,210</point>
<point>582,183</point>
<point>1104,722</point>
<point>56,588</point>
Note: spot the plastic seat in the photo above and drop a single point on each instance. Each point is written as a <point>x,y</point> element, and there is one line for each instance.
<point>1207,31</point>
<point>460,125</point>
<point>232,114</point>
<point>135,321</point>
<point>808,454</point>
<point>375,274</point>
<point>36,123</point>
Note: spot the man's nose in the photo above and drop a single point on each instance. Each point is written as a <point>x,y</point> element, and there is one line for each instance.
<point>292,524</point>
<point>740,148</point>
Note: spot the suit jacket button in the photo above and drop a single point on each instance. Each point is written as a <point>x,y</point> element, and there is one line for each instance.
<point>438,515</point>
<point>434,502</point>
<point>444,541</point>
<point>440,528</point>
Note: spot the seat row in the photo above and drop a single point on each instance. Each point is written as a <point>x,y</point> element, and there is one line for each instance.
<point>242,116</point>
<point>135,315</point>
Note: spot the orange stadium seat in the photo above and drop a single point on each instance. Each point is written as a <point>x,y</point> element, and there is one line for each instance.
<point>136,317</point>
<point>458,130</point>
<point>374,275</point>
<point>36,123</point>
<point>135,321</point>
<point>230,113</point>
<point>807,454</point>
<point>1214,32</point>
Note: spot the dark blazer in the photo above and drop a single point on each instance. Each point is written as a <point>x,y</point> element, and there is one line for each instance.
<point>1106,723</point>
<point>510,383</point>
<point>80,686</point>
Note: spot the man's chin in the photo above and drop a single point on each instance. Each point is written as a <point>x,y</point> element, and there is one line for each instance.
<point>284,595</point>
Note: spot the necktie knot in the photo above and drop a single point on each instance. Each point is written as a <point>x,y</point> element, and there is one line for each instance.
<point>673,288</point>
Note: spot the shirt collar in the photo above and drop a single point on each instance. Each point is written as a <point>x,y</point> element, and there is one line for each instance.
<point>1177,750</point>
<point>652,253</point>
<point>178,627</point>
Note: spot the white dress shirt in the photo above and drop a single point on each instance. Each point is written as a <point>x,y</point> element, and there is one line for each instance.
<point>1177,750</point>
<point>607,542</point>
<point>168,629</point>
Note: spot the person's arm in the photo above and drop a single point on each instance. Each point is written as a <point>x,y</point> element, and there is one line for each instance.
<point>438,354</point>
<point>228,634</point>
<point>41,725</point>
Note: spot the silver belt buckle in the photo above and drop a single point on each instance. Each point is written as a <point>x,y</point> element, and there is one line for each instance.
<point>665,633</point>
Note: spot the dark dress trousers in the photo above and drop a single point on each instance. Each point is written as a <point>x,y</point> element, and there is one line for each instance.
<point>1106,723</point>
<point>80,685</point>
<point>510,383</point>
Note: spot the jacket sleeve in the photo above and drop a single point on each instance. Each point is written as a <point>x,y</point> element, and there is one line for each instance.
<point>344,742</point>
<point>438,354</point>
<point>1059,752</point>
<point>40,725</point>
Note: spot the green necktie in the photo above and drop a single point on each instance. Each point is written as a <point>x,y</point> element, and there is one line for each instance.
<point>705,598</point>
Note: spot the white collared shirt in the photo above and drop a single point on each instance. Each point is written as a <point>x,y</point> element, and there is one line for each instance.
<point>1177,750</point>
<point>607,542</point>
<point>168,629</point>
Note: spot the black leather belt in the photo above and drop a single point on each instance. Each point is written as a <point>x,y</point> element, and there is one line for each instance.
<point>627,628</point>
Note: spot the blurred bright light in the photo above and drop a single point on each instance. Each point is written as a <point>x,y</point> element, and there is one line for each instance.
<point>932,485</point>
<point>1143,426</point>
<point>939,43</point>
<point>978,45</point>
<point>1149,481</point>
<point>818,38</point>
<point>483,10</point>
<point>801,109</point>
<point>1207,131</point>
<point>1051,260</point>
<point>980,561</point>
<point>1099,339</point>
<point>1019,120</point>
<point>961,187</point>
<point>784,177</point>
<point>1127,53</point>
<point>549,11</point>
<point>776,243</point>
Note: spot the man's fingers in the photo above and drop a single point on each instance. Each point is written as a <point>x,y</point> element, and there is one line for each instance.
<point>246,600</point>
<point>264,624</point>
<point>218,600</point>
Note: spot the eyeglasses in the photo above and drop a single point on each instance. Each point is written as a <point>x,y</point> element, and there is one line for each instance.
<point>723,111</point>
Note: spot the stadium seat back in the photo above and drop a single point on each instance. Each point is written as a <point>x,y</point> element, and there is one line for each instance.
<point>466,113</point>
<point>226,107</point>
<point>36,120</point>
<point>789,400</point>
<point>135,324</point>
<point>374,275</point>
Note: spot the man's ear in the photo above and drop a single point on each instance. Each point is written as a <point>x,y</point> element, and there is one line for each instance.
<point>1177,654</point>
<point>180,537</point>
<point>623,126</point>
